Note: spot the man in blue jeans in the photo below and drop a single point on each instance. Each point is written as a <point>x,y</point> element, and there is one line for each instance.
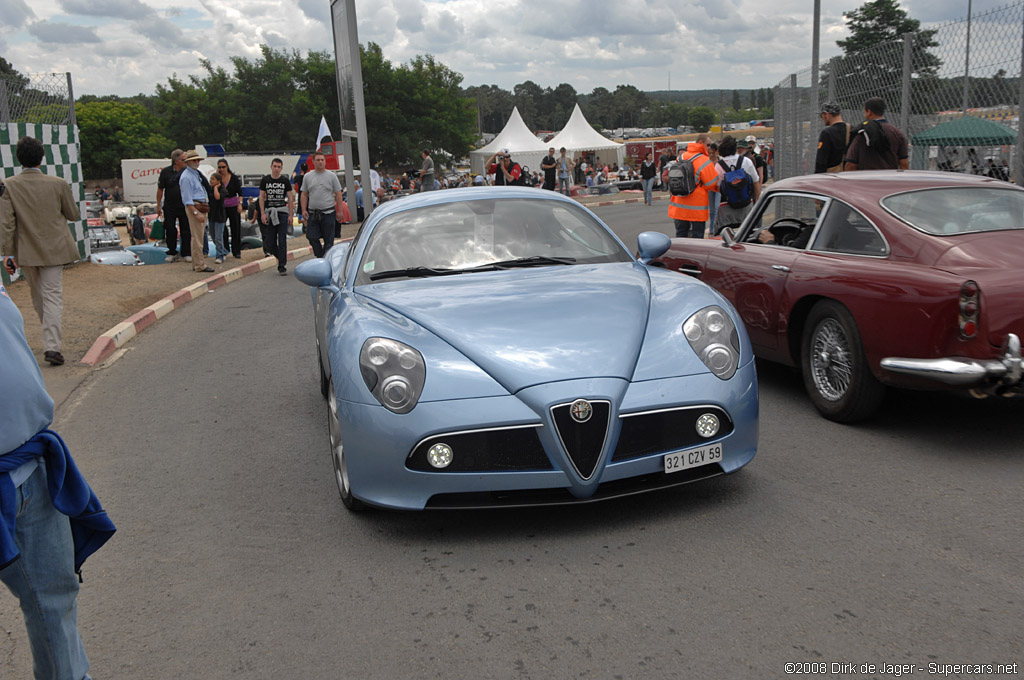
<point>320,202</point>
<point>50,521</point>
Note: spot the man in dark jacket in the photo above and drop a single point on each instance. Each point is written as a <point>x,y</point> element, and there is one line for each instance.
<point>877,144</point>
<point>833,140</point>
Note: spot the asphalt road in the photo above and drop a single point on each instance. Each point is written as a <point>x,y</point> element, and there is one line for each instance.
<point>898,541</point>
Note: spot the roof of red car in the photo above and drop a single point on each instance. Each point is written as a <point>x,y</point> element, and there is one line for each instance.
<point>878,183</point>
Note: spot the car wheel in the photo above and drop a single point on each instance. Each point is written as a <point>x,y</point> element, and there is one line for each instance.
<point>338,453</point>
<point>835,371</point>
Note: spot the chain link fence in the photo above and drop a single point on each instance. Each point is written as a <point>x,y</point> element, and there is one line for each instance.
<point>44,98</point>
<point>955,90</point>
<point>43,106</point>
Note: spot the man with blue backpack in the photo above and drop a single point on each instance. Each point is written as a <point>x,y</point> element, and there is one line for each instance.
<point>738,183</point>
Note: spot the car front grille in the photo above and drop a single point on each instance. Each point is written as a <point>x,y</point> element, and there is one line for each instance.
<point>644,434</point>
<point>584,441</point>
<point>499,450</point>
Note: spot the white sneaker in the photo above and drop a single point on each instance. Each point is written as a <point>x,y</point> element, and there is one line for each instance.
<point>188,258</point>
<point>219,260</point>
<point>170,258</point>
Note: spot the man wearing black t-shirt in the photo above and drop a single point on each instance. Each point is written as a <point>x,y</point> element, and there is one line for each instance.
<point>548,165</point>
<point>170,208</point>
<point>832,141</point>
<point>276,210</point>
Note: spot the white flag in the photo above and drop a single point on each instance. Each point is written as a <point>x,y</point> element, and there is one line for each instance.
<point>324,132</point>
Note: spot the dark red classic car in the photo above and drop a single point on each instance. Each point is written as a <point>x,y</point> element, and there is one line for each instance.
<point>867,279</point>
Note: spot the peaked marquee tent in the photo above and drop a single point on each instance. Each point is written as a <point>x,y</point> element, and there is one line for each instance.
<point>522,144</point>
<point>578,136</point>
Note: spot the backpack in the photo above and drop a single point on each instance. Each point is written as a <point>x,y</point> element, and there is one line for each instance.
<point>737,188</point>
<point>138,231</point>
<point>874,136</point>
<point>683,176</point>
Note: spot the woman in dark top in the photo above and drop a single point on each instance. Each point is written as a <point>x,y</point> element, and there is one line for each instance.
<point>231,192</point>
<point>217,218</point>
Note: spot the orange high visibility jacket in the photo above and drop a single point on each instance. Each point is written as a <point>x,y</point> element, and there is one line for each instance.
<point>694,208</point>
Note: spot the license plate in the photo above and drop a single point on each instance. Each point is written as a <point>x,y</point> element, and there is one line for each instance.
<point>691,458</point>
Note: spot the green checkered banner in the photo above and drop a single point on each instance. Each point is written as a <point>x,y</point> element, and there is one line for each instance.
<point>62,160</point>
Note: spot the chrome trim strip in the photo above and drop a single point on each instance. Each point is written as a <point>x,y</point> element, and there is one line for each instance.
<point>673,408</point>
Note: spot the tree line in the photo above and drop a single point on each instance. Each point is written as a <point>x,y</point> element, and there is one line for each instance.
<point>274,103</point>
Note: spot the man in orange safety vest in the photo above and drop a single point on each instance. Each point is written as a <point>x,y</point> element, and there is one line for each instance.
<point>690,213</point>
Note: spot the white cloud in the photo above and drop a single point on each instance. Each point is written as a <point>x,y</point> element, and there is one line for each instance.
<point>697,44</point>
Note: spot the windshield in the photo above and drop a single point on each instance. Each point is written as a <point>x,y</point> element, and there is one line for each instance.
<point>483,235</point>
<point>963,210</point>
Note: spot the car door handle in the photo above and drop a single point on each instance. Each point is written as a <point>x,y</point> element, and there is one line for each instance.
<point>781,268</point>
<point>691,271</point>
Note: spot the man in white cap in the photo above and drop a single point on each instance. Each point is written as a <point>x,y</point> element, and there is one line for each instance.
<point>753,152</point>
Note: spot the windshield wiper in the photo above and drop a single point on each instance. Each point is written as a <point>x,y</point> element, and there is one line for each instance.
<point>413,272</point>
<point>531,262</point>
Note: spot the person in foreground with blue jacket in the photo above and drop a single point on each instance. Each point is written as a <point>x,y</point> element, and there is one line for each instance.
<point>50,520</point>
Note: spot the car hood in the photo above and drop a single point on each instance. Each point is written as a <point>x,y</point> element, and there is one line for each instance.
<point>528,327</point>
<point>992,259</point>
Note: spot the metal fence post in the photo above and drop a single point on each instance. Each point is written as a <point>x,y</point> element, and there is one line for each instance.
<point>71,102</point>
<point>794,133</point>
<point>908,61</point>
<point>1019,161</point>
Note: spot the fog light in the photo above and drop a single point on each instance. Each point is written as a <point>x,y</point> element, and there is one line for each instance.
<point>440,455</point>
<point>707,425</point>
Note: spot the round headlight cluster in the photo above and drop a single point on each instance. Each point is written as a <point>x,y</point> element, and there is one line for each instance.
<point>393,372</point>
<point>712,335</point>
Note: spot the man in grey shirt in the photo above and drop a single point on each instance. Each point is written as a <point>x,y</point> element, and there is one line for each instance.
<point>427,172</point>
<point>321,199</point>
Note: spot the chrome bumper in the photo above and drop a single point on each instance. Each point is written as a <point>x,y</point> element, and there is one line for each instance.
<point>1002,373</point>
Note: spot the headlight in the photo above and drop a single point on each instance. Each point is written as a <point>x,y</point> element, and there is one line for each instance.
<point>713,337</point>
<point>393,372</point>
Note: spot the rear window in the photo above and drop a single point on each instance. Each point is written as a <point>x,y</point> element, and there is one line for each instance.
<point>965,210</point>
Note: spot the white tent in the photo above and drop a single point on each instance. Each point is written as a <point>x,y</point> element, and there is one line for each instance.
<point>522,144</point>
<point>578,136</point>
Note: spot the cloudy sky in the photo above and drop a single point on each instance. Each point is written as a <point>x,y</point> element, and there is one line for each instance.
<point>125,47</point>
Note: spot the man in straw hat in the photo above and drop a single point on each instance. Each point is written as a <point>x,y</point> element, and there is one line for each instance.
<point>196,199</point>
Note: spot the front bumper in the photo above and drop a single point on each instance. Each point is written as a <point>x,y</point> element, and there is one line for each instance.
<point>997,376</point>
<point>378,443</point>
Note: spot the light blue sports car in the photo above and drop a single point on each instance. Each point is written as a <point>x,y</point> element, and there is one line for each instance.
<point>500,346</point>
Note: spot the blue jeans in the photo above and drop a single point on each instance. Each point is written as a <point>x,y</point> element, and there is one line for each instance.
<point>685,229</point>
<point>218,238</point>
<point>320,227</point>
<point>648,185</point>
<point>563,186</point>
<point>713,199</point>
<point>44,581</point>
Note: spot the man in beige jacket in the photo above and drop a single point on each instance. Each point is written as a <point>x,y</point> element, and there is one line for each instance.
<point>34,235</point>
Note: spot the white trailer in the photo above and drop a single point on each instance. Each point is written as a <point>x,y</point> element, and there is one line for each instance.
<point>140,176</point>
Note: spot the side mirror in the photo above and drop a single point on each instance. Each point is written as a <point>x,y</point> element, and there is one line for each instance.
<point>728,237</point>
<point>652,244</point>
<point>315,273</point>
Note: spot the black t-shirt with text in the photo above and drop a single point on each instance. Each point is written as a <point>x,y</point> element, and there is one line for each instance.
<point>277,190</point>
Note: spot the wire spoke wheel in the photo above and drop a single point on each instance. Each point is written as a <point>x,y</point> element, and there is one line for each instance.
<point>831,366</point>
<point>836,372</point>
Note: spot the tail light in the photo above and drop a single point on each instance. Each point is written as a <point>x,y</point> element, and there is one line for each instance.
<point>970,308</point>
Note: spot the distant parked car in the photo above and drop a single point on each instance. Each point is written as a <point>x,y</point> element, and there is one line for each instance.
<point>103,237</point>
<point>119,214</point>
<point>868,279</point>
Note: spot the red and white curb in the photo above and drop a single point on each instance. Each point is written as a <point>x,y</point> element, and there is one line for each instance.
<point>109,342</point>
